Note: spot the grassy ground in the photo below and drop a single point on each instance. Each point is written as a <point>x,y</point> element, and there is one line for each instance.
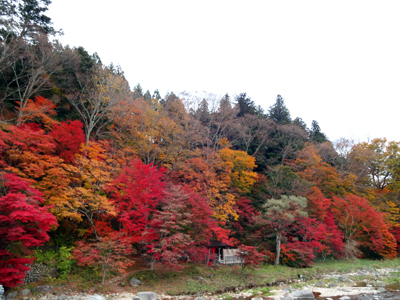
<point>226,279</point>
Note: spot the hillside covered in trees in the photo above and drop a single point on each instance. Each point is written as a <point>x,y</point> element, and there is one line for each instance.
<point>90,164</point>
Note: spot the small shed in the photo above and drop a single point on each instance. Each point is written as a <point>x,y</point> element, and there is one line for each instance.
<point>224,253</point>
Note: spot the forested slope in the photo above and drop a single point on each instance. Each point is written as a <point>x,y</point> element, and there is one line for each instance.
<point>88,162</point>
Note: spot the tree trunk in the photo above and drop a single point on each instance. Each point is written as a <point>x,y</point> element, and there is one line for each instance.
<point>104,277</point>
<point>278,246</point>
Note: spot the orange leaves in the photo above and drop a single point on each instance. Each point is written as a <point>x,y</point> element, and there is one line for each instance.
<point>94,175</point>
<point>310,167</point>
<point>40,109</point>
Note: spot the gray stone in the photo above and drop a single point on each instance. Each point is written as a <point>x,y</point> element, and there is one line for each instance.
<point>43,288</point>
<point>1,290</point>
<point>286,298</point>
<point>25,292</point>
<point>332,285</point>
<point>62,297</point>
<point>319,284</point>
<point>94,297</point>
<point>289,289</point>
<point>328,299</point>
<point>379,283</point>
<point>257,299</point>
<point>303,294</point>
<point>343,278</point>
<point>381,290</point>
<point>202,280</point>
<point>134,282</point>
<point>344,298</point>
<point>199,298</point>
<point>146,296</point>
<point>11,295</point>
<point>369,285</point>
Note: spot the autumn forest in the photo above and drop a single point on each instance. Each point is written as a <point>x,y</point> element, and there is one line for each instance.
<point>107,172</point>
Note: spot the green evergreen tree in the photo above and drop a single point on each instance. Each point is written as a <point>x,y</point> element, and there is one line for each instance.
<point>279,112</point>
<point>137,91</point>
<point>299,122</point>
<point>25,18</point>
<point>316,135</point>
<point>147,95</point>
<point>156,95</point>
<point>246,105</point>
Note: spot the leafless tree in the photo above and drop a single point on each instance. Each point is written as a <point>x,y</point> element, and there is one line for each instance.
<point>100,92</point>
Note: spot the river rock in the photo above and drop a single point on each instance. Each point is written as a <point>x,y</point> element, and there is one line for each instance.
<point>379,283</point>
<point>199,298</point>
<point>303,294</point>
<point>202,280</point>
<point>343,278</point>
<point>381,290</point>
<point>62,297</point>
<point>11,295</point>
<point>126,296</point>
<point>134,282</point>
<point>289,289</point>
<point>25,292</point>
<point>43,288</point>
<point>146,296</point>
<point>344,298</point>
<point>286,298</point>
<point>94,297</point>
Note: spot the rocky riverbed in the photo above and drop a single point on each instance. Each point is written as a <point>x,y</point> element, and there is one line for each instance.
<point>366,284</point>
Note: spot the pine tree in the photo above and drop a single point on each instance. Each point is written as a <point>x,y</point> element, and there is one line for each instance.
<point>279,112</point>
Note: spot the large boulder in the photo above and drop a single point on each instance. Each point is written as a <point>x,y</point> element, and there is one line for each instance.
<point>303,294</point>
<point>146,296</point>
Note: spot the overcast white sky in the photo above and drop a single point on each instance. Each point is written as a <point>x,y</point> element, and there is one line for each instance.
<point>337,62</point>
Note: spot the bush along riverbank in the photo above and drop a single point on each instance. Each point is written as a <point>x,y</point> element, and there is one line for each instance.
<point>351,278</point>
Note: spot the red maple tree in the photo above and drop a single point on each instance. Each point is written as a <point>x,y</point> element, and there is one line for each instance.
<point>23,224</point>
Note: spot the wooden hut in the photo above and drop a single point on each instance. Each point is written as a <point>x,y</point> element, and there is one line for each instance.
<point>224,253</point>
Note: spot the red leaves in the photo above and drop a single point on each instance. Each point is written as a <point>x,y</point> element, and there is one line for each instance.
<point>136,193</point>
<point>23,221</point>
<point>250,257</point>
<point>362,223</point>
<point>109,253</point>
<point>68,137</point>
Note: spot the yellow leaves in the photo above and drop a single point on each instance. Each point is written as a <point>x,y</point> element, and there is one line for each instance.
<point>240,166</point>
<point>223,207</point>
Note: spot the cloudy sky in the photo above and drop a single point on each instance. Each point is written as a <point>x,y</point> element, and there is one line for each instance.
<point>337,62</point>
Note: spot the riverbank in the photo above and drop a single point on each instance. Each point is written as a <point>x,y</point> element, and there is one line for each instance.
<point>333,278</point>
